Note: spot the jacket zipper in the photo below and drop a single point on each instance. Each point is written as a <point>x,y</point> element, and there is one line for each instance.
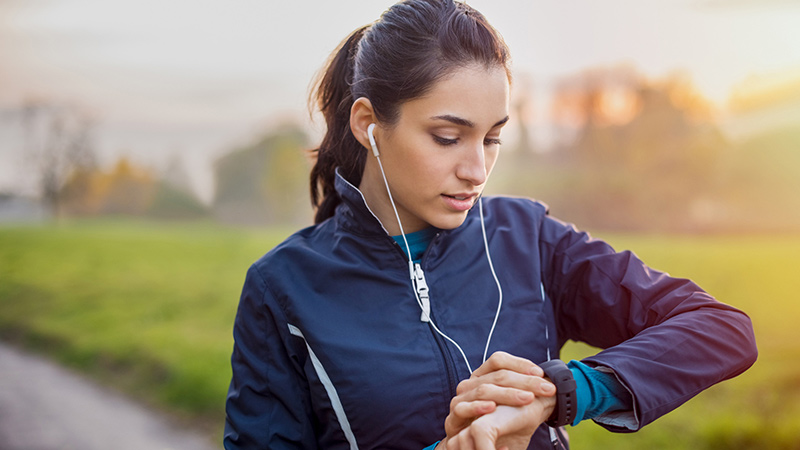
<point>561,443</point>
<point>447,358</point>
<point>445,354</point>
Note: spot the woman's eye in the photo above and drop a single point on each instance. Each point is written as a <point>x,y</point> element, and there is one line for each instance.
<point>492,141</point>
<point>444,141</point>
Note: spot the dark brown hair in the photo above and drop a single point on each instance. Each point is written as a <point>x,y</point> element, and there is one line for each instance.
<point>414,44</point>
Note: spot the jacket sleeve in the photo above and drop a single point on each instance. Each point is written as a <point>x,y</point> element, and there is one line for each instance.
<point>665,338</point>
<point>267,404</point>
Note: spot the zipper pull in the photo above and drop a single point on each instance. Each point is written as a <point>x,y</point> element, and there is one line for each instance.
<point>555,440</point>
<point>422,291</point>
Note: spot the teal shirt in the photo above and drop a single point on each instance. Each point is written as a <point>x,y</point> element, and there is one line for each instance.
<point>418,241</point>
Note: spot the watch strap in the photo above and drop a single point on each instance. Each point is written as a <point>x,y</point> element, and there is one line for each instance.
<point>566,400</point>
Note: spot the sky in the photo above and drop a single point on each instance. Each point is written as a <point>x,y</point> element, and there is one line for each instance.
<point>192,79</point>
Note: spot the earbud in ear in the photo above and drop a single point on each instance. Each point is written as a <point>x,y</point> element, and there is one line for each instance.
<point>372,139</point>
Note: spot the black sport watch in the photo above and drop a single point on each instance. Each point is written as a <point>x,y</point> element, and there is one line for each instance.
<point>566,401</point>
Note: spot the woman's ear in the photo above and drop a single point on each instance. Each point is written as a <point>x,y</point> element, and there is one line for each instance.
<point>361,116</point>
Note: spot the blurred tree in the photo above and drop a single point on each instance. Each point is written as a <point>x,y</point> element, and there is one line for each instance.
<point>80,193</point>
<point>266,182</point>
<point>127,190</point>
<point>174,197</point>
<point>632,153</point>
<point>593,99</point>
<point>58,137</point>
<point>171,202</point>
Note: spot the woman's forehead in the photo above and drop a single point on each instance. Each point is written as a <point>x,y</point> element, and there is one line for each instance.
<point>469,96</point>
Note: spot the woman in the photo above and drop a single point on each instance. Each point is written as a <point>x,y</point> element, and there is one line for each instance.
<point>373,328</point>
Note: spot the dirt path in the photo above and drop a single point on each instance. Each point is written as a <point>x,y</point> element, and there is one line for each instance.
<point>45,407</point>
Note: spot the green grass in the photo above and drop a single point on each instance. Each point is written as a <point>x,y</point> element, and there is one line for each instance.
<point>145,307</point>
<point>148,307</point>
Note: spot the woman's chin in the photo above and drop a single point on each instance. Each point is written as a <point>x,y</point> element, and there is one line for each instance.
<point>450,221</point>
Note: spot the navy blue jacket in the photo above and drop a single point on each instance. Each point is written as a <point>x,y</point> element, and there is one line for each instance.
<point>330,351</point>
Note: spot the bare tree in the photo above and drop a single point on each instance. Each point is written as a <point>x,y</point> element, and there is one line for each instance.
<point>59,140</point>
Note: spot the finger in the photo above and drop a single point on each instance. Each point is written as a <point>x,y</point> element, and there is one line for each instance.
<point>452,444</point>
<point>470,410</point>
<point>502,377</point>
<point>484,442</point>
<point>544,388</point>
<point>498,394</point>
<point>508,379</point>
<point>465,440</point>
<point>463,413</point>
<point>503,360</point>
<point>482,435</point>
<point>455,443</point>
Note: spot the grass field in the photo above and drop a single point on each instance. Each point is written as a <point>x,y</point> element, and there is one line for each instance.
<point>148,307</point>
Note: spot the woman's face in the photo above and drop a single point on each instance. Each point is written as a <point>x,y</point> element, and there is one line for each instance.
<point>439,154</point>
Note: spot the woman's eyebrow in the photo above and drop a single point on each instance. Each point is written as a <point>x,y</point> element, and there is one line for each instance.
<point>464,122</point>
<point>456,120</point>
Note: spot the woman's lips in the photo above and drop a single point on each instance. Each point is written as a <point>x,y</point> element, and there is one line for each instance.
<point>459,202</point>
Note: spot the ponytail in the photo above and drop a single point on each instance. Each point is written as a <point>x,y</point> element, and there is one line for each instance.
<point>339,148</point>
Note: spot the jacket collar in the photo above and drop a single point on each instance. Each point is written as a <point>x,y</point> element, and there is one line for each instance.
<point>354,213</point>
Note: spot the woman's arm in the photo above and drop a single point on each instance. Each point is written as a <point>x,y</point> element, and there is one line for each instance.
<point>666,339</point>
<point>266,404</point>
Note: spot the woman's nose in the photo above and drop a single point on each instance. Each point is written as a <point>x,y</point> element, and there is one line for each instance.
<point>472,166</point>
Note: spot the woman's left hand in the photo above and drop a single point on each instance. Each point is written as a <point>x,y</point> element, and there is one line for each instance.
<point>508,427</point>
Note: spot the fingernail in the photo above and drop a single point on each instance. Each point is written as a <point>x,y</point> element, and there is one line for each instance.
<point>535,371</point>
<point>525,396</point>
<point>548,388</point>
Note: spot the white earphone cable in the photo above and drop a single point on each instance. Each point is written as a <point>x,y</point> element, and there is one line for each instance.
<point>425,311</point>
<point>430,322</point>
<point>411,270</point>
<point>391,200</point>
<point>494,274</point>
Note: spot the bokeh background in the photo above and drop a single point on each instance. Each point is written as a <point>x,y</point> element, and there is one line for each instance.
<point>151,150</point>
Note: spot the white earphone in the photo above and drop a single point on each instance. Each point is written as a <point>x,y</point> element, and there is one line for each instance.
<point>372,143</point>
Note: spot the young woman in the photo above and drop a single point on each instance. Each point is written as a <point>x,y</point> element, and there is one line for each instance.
<point>417,314</point>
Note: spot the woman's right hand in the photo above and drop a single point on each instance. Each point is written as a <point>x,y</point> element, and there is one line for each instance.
<point>504,380</point>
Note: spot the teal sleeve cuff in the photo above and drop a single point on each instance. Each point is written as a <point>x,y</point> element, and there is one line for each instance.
<point>597,392</point>
<point>583,392</point>
<point>431,447</point>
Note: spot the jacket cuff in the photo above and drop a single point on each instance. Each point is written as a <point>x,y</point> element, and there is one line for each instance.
<point>619,421</point>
